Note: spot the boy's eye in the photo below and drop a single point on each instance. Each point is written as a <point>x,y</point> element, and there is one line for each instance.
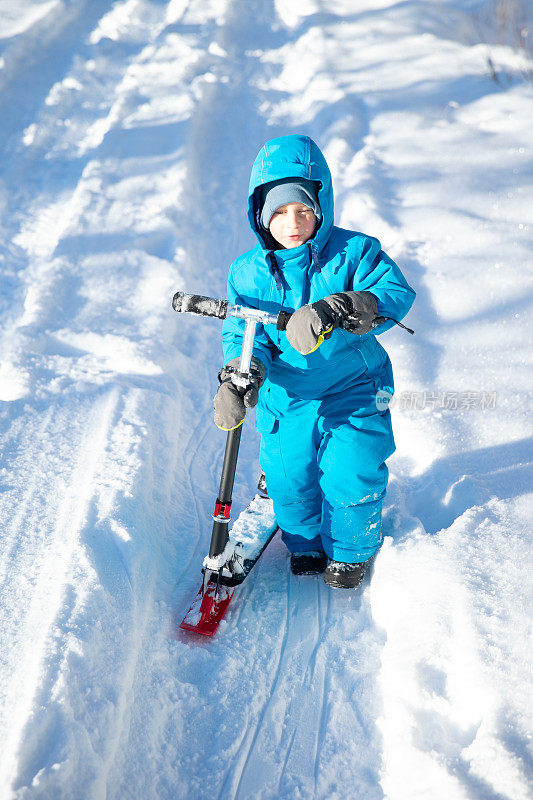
<point>301,212</point>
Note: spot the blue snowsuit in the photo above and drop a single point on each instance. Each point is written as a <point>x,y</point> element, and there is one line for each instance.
<point>324,439</point>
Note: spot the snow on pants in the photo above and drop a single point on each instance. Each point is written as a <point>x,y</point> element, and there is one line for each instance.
<point>326,474</point>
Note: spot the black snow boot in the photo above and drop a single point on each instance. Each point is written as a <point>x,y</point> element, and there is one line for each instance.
<point>344,576</point>
<point>311,563</point>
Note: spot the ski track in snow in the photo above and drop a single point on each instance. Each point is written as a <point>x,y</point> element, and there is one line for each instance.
<point>128,131</point>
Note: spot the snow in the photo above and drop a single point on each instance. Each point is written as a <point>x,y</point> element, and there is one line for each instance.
<point>128,131</point>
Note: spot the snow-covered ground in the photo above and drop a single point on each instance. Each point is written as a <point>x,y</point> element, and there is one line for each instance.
<point>127,132</point>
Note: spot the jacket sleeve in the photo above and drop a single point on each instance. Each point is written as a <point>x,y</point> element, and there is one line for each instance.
<point>377,273</point>
<point>233,331</point>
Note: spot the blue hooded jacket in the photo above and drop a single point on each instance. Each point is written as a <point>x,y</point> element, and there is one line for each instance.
<point>334,260</point>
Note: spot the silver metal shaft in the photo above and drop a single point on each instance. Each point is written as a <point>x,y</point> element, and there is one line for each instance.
<point>247,350</point>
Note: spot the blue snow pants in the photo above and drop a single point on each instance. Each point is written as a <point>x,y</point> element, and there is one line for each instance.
<point>326,474</point>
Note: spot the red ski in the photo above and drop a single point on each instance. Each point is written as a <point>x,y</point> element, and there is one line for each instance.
<point>208,609</point>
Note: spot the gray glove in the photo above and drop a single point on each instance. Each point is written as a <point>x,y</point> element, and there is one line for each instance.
<point>310,325</point>
<point>231,401</point>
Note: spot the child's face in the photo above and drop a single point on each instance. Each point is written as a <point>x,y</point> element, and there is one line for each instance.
<point>292,224</point>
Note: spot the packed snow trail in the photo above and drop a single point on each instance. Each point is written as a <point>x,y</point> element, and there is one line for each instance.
<point>128,130</point>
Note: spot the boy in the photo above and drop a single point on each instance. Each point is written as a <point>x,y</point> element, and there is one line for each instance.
<point>324,437</point>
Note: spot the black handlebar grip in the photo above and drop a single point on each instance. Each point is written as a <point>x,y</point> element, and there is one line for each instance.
<point>198,304</point>
<point>283,318</point>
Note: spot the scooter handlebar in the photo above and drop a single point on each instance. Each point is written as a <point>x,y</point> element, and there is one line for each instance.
<point>213,307</point>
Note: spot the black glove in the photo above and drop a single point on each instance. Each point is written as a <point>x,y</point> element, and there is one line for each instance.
<point>231,401</point>
<point>310,325</point>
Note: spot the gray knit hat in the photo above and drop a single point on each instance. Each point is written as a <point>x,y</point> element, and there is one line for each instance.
<point>288,190</point>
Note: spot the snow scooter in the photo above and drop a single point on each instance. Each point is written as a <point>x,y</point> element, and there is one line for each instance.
<point>231,555</point>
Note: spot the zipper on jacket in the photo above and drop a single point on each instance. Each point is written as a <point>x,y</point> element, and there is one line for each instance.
<point>274,269</point>
<point>313,250</point>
